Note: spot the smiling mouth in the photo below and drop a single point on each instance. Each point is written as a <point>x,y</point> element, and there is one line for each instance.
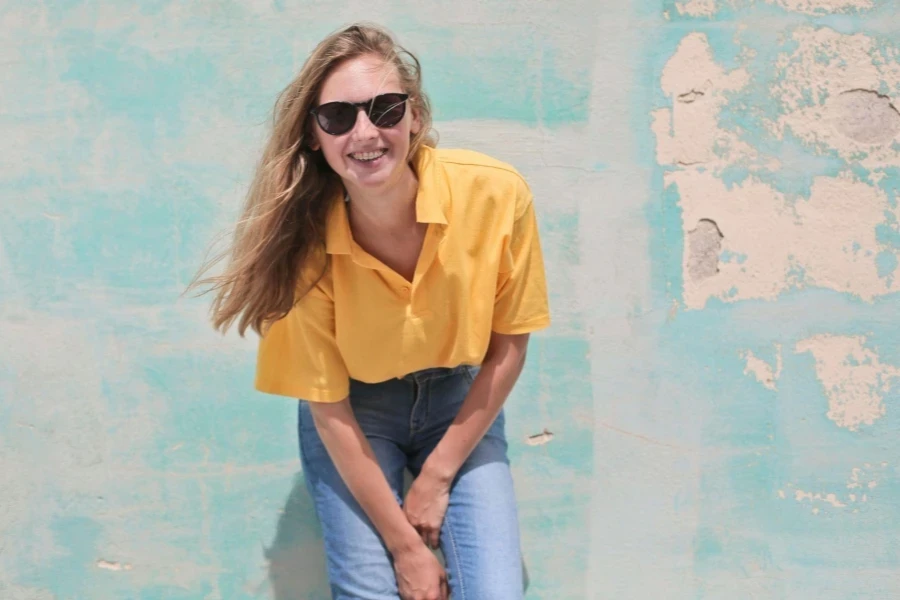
<point>368,156</point>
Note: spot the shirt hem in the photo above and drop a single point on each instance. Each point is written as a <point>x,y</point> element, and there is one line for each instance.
<point>302,393</point>
<point>524,327</point>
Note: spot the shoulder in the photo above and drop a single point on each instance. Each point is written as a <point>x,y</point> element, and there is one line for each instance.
<point>475,164</point>
<point>486,176</point>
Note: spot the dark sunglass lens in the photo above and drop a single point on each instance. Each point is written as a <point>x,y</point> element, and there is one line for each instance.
<point>388,109</point>
<point>336,117</point>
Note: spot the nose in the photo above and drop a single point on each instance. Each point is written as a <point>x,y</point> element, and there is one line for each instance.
<point>363,129</point>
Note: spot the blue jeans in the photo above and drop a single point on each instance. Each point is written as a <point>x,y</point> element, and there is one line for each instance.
<point>404,419</point>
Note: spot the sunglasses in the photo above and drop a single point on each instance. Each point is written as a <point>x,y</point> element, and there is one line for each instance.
<point>384,110</point>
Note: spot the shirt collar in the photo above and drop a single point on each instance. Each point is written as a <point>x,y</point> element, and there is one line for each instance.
<point>431,202</point>
<point>337,227</point>
<point>433,193</point>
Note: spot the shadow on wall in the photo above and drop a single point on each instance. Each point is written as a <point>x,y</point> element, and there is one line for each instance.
<point>296,557</point>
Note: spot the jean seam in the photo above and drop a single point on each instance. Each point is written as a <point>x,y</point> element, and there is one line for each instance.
<point>421,378</point>
<point>421,396</point>
<point>439,376</point>
<point>459,570</point>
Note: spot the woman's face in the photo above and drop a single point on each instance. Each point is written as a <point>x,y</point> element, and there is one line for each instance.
<point>366,157</point>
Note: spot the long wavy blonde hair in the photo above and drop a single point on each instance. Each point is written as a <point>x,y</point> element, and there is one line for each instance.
<point>281,232</point>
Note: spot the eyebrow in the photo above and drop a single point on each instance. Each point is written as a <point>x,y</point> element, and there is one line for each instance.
<point>369,99</point>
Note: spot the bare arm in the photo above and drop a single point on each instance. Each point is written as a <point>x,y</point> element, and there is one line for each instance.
<point>428,497</point>
<point>500,369</point>
<point>419,574</point>
<point>355,461</point>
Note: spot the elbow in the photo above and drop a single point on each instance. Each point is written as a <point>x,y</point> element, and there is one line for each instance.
<point>331,416</point>
<point>508,349</point>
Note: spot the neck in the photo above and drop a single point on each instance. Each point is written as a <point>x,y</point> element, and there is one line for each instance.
<point>388,210</point>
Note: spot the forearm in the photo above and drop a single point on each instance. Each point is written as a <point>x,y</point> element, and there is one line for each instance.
<point>356,462</point>
<point>495,380</point>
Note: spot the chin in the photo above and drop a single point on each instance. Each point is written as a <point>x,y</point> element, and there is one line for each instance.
<point>374,178</point>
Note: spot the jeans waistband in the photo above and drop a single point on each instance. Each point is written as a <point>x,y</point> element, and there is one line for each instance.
<point>435,373</point>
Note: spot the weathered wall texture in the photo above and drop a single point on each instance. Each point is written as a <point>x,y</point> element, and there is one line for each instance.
<point>718,186</point>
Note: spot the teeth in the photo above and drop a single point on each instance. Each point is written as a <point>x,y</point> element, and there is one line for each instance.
<point>369,155</point>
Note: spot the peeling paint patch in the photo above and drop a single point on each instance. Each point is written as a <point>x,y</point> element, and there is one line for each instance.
<point>829,241</point>
<point>834,239</point>
<point>839,94</point>
<point>709,8</point>
<point>865,116</point>
<point>697,8</point>
<point>705,244</point>
<point>800,496</point>
<point>815,7</point>
<point>113,566</point>
<point>811,230</point>
<point>762,370</point>
<point>539,439</point>
<point>859,478</point>
<point>688,134</point>
<point>853,377</point>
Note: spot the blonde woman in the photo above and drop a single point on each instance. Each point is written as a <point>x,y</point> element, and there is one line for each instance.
<point>394,286</point>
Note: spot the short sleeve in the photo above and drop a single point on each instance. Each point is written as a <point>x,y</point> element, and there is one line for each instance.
<point>298,355</point>
<point>521,304</point>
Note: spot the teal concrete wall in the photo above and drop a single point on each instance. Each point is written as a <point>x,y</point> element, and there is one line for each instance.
<point>717,184</point>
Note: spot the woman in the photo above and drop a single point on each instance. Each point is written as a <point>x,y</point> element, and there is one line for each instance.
<point>394,286</point>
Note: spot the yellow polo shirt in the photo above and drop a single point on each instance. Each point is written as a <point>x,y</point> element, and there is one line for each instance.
<point>480,270</point>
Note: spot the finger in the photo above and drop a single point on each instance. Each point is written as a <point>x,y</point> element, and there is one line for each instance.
<point>434,538</point>
<point>445,588</point>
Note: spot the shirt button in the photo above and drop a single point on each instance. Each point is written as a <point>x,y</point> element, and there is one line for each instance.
<point>405,289</point>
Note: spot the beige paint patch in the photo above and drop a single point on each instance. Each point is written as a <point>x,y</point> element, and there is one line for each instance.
<point>814,7</point>
<point>688,134</point>
<point>697,8</point>
<point>859,477</point>
<point>539,439</point>
<point>763,371</point>
<point>800,496</point>
<point>840,93</point>
<point>772,244</point>
<point>853,377</point>
<point>828,241</point>
<point>709,8</point>
<point>113,566</point>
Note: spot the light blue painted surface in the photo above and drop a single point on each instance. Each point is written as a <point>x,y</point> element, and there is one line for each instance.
<point>132,438</point>
<point>130,432</point>
<point>748,444</point>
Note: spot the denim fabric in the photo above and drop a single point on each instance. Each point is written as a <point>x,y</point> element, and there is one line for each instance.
<point>404,419</point>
